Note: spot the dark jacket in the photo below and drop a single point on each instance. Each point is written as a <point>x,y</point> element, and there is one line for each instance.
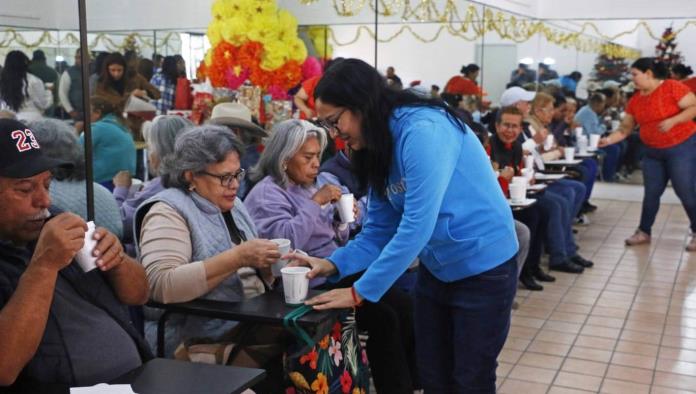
<point>50,369</point>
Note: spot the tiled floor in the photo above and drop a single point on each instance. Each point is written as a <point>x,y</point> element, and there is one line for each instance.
<point>628,325</point>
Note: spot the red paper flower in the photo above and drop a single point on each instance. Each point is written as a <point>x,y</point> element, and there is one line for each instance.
<point>346,382</point>
<point>310,357</point>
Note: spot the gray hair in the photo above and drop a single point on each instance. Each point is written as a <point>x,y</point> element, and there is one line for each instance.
<point>287,139</point>
<point>194,150</point>
<point>163,132</point>
<point>58,140</point>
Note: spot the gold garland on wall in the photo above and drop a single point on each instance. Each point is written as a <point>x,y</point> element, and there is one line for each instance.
<point>474,24</point>
<point>12,37</point>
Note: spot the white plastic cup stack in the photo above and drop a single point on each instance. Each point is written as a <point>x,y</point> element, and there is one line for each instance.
<point>295,284</point>
<point>283,248</point>
<point>136,185</point>
<point>85,259</point>
<point>578,132</point>
<point>520,179</point>
<point>594,141</point>
<point>582,145</point>
<point>528,173</point>
<point>569,153</point>
<point>345,208</point>
<point>548,144</point>
<point>529,162</point>
<point>518,192</point>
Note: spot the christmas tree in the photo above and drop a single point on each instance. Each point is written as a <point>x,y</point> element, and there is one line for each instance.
<point>610,69</point>
<point>666,48</point>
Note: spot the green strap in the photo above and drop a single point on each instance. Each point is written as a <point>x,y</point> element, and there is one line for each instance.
<point>290,323</point>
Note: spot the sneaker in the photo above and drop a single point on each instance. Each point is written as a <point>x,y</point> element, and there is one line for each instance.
<point>691,247</point>
<point>582,220</point>
<point>638,238</point>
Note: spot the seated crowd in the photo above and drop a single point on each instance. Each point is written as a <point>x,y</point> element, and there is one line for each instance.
<point>201,228</point>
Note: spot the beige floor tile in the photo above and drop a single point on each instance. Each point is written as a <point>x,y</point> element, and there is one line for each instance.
<point>554,349</point>
<point>569,317</point>
<point>522,332</point>
<point>595,342</point>
<point>676,366</point>
<point>630,374</point>
<point>585,353</point>
<point>644,349</point>
<point>517,343</point>
<point>572,328</point>
<point>611,386</point>
<point>672,380</point>
<point>514,386</point>
<point>555,337</point>
<point>584,367</point>
<point>566,390</point>
<point>577,381</point>
<point>503,370</point>
<point>574,308</point>
<point>509,356</point>
<point>531,322</point>
<point>602,332</point>
<point>619,313</point>
<point>679,342</point>
<point>532,374</point>
<point>605,321</point>
<point>541,360</point>
<point>667,390</point>
<point>678,354</point>
<point>633,360</point>
<point>642,337</point>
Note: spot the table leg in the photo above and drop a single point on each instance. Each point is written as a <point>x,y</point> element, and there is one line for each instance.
<point>161,325</point>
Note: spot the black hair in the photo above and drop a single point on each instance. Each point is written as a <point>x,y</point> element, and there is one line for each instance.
<point>657,67</point>
<point>99,62</point>
<point>38,56</point>
<point>609,93</point>
<point>358,87</point>
<point>105,79</point>
<point>435,88</point>
<point>558,99</point>
<point>145,68</point>
<point>468,69</point>
<point>180,59</point>
<point>682,70</point>
<point>169,69</point>
<point>13,79</point>
<point>596,98</point>
<point>576,75</point>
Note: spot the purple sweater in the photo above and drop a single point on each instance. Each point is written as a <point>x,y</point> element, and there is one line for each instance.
<point>290,213</point>
<point>129,205</point>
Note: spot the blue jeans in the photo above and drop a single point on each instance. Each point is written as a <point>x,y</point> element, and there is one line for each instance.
<point>589,168</point>
<point>556,224</point>
<point>677,164</point>
<point>461,327</point>
<point>573,191</point>
<point>612,158</point>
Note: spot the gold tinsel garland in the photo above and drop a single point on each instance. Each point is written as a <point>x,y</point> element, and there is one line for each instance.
<point>12,37</point>
<point>474,24</point>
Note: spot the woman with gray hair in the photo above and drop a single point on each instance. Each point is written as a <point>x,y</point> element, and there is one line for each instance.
<point>286,203</point>
<point>68,188</point>
<point>160,143</point>
<point>196,239</point>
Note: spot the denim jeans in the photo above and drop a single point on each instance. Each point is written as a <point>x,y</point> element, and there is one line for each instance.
<point>573,191</point>
<point>677,164</point>
<point>461,327</point>
<point>612,159</point>
<point>589,168</point>
<point>556,225</point>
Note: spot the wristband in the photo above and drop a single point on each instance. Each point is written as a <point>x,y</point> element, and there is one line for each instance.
<point>355,296</point>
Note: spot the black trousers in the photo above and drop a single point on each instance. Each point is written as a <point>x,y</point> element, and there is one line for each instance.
<point>531,217</point>
<point>391,345</point>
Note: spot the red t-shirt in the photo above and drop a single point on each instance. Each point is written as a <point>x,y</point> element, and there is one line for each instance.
<point>649,110</point>
<point>691,83</point>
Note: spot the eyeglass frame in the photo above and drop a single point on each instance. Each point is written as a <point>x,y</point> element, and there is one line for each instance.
<point>332,126</point>
<point>226,179</point>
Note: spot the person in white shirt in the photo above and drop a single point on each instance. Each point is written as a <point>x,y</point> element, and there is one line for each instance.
<point>20,91</point>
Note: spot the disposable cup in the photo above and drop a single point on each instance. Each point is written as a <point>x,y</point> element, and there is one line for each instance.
<point>594,141</point>
<point>284,248</point>
<point>518,192</point>
<point>295,284</point>
<point>582,145</point>
<point>569,153</point>
<point>548,144</point>
<point>84,257</point>
<point>520,179</point>
<point>345,208</point>
<point>528,173</point>
<point>529,161</point>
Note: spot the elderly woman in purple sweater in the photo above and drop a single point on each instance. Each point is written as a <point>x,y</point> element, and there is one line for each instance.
<point>286,203</point>
<point>160,143</point>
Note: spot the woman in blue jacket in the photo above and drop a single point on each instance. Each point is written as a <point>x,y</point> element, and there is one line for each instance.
<point>433,195</point>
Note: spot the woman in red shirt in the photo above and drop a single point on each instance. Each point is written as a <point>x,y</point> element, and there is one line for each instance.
<point>664,110</point>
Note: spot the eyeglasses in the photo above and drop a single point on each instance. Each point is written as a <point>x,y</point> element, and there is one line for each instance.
<point>226,179</point>
<point>331,125</point>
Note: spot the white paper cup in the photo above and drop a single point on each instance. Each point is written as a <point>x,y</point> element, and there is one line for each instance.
<point>528,173</point>
<point>295,284</point>
<point>615,124</point>
<point>582,145</point>
<point>529,161</point>
<point>518,192</point>
<point>548,144</point>
<point>345,208</point>
<point>520,179</point>
<point>578,132</point>
<point>284,248</point>
<point>84,257</point>
<point>594,140</point>
<point>569,153</point>
<point>136,185</point>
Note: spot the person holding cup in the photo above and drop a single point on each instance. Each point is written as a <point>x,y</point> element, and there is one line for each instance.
<point>286,203</point>
<point>196,239</point>
<point>664,110</point>
<point>589,118</point>
<point>453,216</point>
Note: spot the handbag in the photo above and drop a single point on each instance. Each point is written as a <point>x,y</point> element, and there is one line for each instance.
<point>330,362</point>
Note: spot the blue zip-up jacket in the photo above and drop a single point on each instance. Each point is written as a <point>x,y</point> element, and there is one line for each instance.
<point>443,205</point>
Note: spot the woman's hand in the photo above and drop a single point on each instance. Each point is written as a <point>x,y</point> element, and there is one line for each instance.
<point>334,299</point>
<point>356,209</point>
<point>667,124</point>
<point>507,173</point>
<point>140,93</point>
<point>320,267</point>
<point>257,253</point>
<point>606,141</point>
<point>122,179</point>
<point>327,194</point>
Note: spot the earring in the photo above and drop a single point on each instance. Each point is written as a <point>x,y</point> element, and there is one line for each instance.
<point>191,188</point>
<point>285,167</point>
